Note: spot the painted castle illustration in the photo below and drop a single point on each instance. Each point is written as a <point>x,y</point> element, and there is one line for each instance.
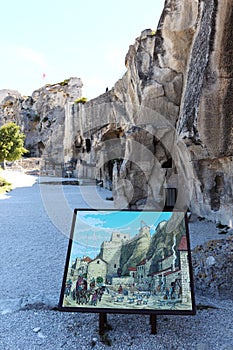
<point>155,262</point>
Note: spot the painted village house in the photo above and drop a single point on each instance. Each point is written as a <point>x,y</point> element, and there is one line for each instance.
<point>166,274</point>
<point>178,275</point>
<point>80,266</point>
<point>96,268</point>
<point>143,269</point>
<point>132,272</point>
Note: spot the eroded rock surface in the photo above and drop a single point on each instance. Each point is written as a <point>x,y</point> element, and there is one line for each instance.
<point>166,124</point>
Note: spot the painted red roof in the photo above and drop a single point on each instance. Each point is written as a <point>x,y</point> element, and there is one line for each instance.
<point>163,272</point>
<point>87,259</point>
<point>144,261</point>
<point>183,243</point>
<point>132,268</point>
<point>170,272</point>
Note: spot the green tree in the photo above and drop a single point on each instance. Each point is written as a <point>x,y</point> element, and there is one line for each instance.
<point>11,142</point>
<point>99,280</point>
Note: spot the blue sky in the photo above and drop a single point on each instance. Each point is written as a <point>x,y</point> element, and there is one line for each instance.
<point>87,39</point>
<point>94,227</point>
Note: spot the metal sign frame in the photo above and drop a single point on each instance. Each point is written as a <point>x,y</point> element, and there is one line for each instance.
<point>128,261</point>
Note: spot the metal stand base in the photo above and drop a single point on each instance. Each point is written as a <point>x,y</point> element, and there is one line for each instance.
<point>103,323</point>
<point>153,323</point>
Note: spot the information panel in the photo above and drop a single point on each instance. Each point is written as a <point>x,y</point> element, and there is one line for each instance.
<point>128,262</point>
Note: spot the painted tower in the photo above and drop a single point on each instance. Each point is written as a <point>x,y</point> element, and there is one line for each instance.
<point>184,266</point>
<point>111,252</point>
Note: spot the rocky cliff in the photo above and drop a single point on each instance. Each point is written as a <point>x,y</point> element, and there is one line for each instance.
<point>167,123</point>
<point>145,246</point>
<point>134,251</point>
<point>166,240</point>
<point>41,115</point>
<point>154,248</point>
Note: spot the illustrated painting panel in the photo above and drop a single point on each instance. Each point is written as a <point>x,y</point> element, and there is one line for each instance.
<point>128,260</point>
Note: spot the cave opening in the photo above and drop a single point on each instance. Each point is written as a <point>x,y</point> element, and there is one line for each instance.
<point>41,148</point>
<point>167,164</point>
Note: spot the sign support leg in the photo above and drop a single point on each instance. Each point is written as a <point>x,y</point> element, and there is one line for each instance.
<point>102,322</point>
<point>153,323</point>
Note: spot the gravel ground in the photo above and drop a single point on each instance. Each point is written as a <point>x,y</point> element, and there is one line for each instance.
<point>35,222</point>
<point>210,329</point>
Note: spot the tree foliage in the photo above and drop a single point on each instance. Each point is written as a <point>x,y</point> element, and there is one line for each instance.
<point>11,142</point>
<point>99,280</point>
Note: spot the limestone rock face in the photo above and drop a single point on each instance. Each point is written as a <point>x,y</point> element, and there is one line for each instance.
<point>166,235</point>
<point>189,83</point>
<point>165,125</point>
<point>133,252</point>
<point>41,115</point>
<point>205,114</point>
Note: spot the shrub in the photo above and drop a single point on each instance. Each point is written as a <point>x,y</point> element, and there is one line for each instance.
<point>5,186</point>
<point>81,100</point>
<point>65,82</point>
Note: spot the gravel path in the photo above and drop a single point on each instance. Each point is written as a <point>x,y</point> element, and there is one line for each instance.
<point>35,223</point>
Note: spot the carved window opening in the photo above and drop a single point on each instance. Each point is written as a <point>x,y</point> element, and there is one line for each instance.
<point>167,164</point>
<point>88,145</point>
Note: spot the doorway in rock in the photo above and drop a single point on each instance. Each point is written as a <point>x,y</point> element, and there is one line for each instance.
<point>41,148</point>
<point>108,170</point>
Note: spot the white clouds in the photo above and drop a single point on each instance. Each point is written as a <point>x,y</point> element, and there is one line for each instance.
<point>94,222</point>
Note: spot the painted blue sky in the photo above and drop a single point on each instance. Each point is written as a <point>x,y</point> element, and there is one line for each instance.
<point>94,227</point>
<point>61,39</point>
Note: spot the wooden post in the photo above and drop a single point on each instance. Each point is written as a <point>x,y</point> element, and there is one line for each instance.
<point>153,323</point>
